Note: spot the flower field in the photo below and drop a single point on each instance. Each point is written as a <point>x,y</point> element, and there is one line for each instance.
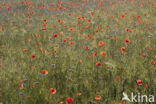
<point>77,51</point>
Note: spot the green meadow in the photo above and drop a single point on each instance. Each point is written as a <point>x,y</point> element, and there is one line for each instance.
<point>77,52</point>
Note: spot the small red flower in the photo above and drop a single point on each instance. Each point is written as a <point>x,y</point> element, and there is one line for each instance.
<point>98,64</point>
<point>69,100</point>
<point>65,40</point>
<point>95,54</point>
<point>92,13</point>
<point>123,49</point>
<point>44,29</point>
<point>55,35</point>
<point>127,41</point>
<point>127,29</point>
<point>125,53</point>
<point>153,62</point>
<point>52,90</point>
<point>71,29</point>
<point>0,64</point>
<point>9,8</point>
<point>103,53</point>
<point>122,103</point>
<point>71,42</point>
<point>98,98</point>
<point>118,79</point>
<point>25,50</point>
<point>45,20</point>
<point>21,86</point>
<point>34,84</point>
<point>33,56</point>
<point>139,82</point>
<point>45,72</point>
<point>78,94</point>
<point>130,31</point>
<point>61,102</point>
<point>146,85</point>
<point>89,20</point>
<point>101,43</point>
<point>90,36</point>
<point>143,55</point>
<point>2,28</point>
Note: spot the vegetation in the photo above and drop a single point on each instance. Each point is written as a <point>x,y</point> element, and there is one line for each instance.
<point>79,52</point>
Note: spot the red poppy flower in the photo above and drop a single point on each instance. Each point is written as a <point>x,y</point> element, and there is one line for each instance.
<point>45,20</point>
<point>152,62</point>
<point>33,56</point>
<point>98,64</point>
<point>45,72</point>
<point>0,64</point>
<point>78,94</point>
<point>9,8</point>
<point>71,42</point>
<point>112,16</point>
<point>127,41</point>
<point>92,13</point>
<point>130,31</point>
<point>21,86</point>
<point>2,28</point>
<point>44,29</point>
<point>89,20</point>
<point>79,18</point>
<point>98,98</point>
<point>55,35</point>
<point>123,49</point>
<point>139,82</point>
<point>122,16</point>
<point>65,40</point>
<point>37,35</point>
<point>90,36</point>
<point>103,30</point>
<point>34,84</point>
<point>69,100</point>
<point>118,79</point>
<point>25,50</point>
<point>98,27</point>
<point>96,31</point>
<point>52,90</point>
<point>69,38</point>
<point>95,54</point>
<point>103,53</point>
<point>122,103</point>
<point>61,102</point>
<point>71,29</point>
<point>125,53</point>
<point>101,43</point>
<point>146,85</point>
<point>127,29</point>
<point>143,55</point>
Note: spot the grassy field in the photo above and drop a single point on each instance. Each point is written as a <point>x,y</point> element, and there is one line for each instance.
<point>78,52</point>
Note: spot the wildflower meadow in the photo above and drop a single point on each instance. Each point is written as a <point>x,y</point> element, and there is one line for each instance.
<point>77,52</point>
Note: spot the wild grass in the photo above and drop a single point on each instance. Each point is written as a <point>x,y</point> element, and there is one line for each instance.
<point>71,57</point>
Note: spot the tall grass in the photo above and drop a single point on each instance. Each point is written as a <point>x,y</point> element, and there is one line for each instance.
<point>31,28</point>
